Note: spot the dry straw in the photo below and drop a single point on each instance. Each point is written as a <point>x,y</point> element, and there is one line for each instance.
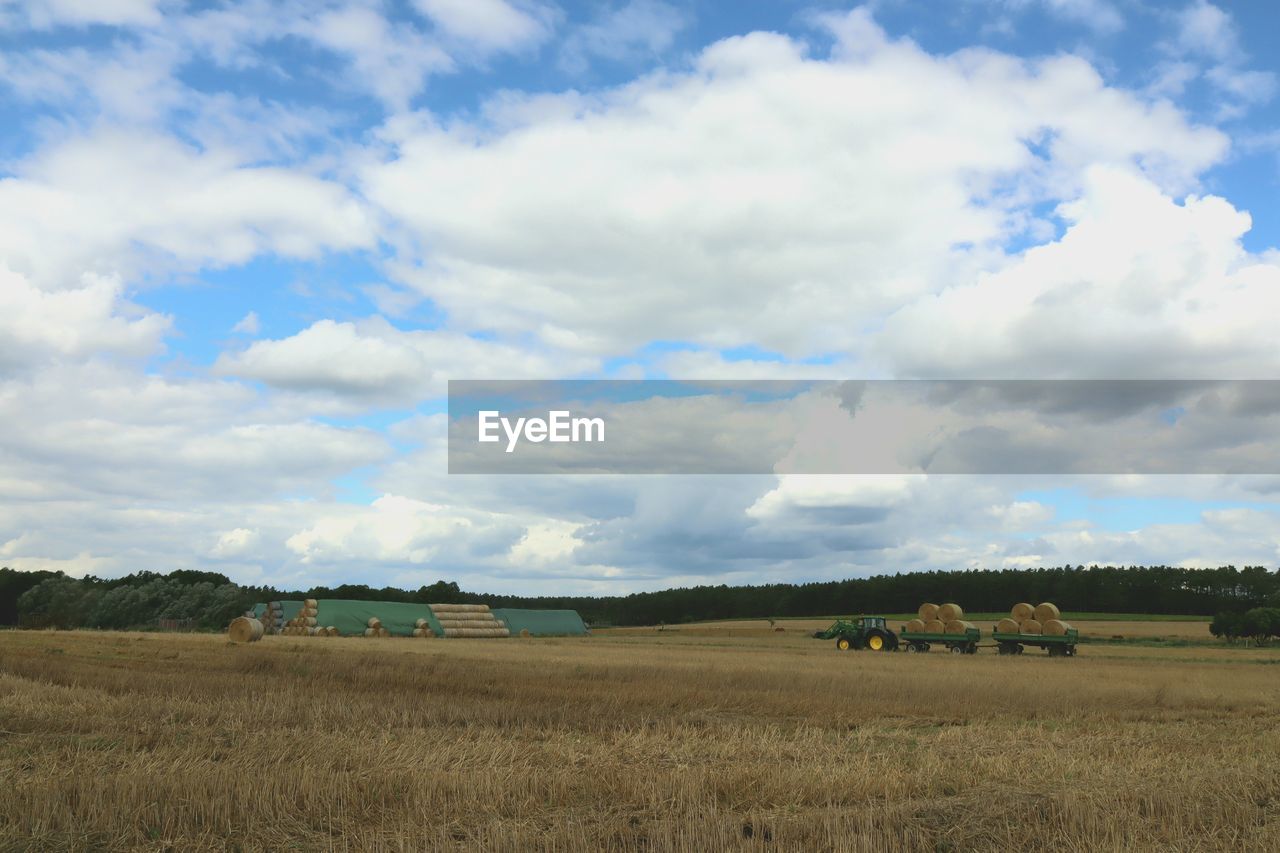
<point>244,629</point>
<point>916,626</point>
<point>950,613</point>
<point>1021,612</point>
<point>958,626</point>
<point>1007,626</point>
<point>1047,611</point>
<point>1055,628</point>
<point>1030,626</point>
<point>927,612</point>
<point>935,626</point>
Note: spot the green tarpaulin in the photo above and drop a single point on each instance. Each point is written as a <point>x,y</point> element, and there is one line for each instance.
<point>542,623</point>
<point>352,617</point>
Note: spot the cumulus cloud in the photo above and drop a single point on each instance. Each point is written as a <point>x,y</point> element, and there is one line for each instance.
<point>78,322</point>
<point>764,198</point>
<point>114,199</point>
<point>489,25</point>
<point>373,359</point>
<point>1139,286</point>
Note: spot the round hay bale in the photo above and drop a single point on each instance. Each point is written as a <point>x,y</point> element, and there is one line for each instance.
<point>915,626</point>
<point>383,632</point>
<point>244,630</point>
<point>371,632</point>
<point>310,602</point>
<point>1045,612</point>
<point>309,622</point>
<point>927,612</point>
<point>459,608</point>
<point>935,626</point>
<point>417,632</point>
<point>950,613</point>
<point>313,631</point>
<point>332,631</point>
<point>374,622</point>
<point>524,632</point>
<point>1055,628</point>
<point>1030,626</point>
<point>958,626</point>
<point>1022,611</point>
<point>422,623</point>
<point>1007,626</point>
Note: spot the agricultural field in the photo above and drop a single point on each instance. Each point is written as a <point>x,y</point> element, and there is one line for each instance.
<point>629,740</point>
<point>1094,626</point>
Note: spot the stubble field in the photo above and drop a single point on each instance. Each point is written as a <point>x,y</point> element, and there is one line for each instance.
<point>639,741</point>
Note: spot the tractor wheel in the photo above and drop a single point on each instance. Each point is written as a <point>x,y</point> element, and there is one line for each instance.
<point>843,644</point>
<point>1019,650</point>
<point>911,649</point>
<point>1003,649</point>
<point>876,643</point>
<point>957,650</point>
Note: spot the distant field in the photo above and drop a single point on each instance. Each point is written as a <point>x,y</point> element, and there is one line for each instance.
<point>1092,625</point>
<point>629,741</point>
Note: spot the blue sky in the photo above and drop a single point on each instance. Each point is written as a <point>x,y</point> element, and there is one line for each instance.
<point>244,245</point>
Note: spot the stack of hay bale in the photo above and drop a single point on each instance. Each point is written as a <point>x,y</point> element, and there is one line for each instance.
<point>273,618</point>
<point>422,628</point>
<point>374,628</point>
<point>1043,619</point>
<point>306,623</point>
<point>468,620</point>
<point>935,619</point>
<point>245,629</point>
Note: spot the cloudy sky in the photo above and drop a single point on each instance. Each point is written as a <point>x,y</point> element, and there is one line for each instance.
<point>244,245</point>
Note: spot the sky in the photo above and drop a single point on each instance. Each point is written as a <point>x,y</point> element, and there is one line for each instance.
<point>244,246</point>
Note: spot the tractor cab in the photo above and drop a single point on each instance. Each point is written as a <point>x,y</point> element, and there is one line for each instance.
<point>866,623</point>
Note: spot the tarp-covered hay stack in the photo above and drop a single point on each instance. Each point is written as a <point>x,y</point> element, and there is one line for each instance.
<point>468,620</point>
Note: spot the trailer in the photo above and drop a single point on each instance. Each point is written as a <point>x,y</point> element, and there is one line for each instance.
<point>1012,644</point>
<point>957,644</point>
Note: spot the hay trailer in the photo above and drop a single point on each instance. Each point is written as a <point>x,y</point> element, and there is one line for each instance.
<point>957,644</point>
<point>864,632</point>
<point>1057,646</point>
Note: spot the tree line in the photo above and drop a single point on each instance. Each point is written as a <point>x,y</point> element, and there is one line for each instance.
<point>210,600</point>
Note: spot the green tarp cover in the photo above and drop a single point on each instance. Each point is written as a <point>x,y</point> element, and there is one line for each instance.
<point>542,623</point>
<point>352,617</point>
<point>288,608</point>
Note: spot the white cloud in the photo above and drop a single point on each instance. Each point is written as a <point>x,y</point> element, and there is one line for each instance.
<point>489,25</point>
<point>636,29</point>
<point>1139,286</point>
<point>42,14</point>
<point>374,359</point>
<point>393,529</point>
<point>235,543</point>
<point>114,199</point>
<point>74,323</point>
<point>764,198</point>
<point>249,324</point>
<point>1205,29</point>
<point>392,61</point>
<point>800,492</point>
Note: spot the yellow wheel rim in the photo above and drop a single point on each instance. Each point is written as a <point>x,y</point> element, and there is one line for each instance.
<point>876,643</point>
<point>843,644</point>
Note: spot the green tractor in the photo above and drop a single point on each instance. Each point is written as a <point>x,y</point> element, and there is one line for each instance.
<point>864,632</point>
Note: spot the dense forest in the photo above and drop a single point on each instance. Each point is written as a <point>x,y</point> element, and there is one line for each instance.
<point>208,600</point>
